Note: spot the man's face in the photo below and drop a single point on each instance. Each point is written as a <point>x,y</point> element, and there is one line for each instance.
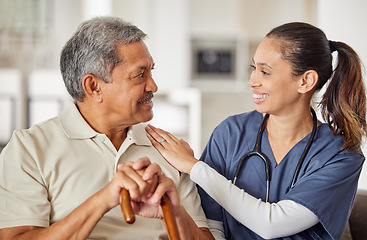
<point>127,97</point>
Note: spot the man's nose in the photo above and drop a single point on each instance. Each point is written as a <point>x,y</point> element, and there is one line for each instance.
<point>151,85</point>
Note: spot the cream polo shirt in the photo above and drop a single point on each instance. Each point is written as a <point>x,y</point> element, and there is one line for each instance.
<point>50,169</point>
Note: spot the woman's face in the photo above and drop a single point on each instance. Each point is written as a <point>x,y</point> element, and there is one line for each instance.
<point>275,89</point>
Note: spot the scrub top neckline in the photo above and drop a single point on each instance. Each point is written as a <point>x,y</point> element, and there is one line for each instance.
<point>270,154</point>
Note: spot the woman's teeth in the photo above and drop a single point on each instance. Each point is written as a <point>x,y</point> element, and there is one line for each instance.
<point>260,96</point>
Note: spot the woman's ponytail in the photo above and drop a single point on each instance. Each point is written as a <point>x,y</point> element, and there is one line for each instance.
<point>343,105</point>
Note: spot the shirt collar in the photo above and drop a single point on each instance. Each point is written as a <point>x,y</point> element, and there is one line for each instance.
<point>138,134</point>
<point>74,124</point>
<point>76,127</point>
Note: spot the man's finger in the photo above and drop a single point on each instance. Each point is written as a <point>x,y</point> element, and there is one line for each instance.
<point>141,163</point>
<point>151,170</point>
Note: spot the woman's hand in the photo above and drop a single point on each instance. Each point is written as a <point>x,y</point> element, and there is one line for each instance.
<point>176,151</point>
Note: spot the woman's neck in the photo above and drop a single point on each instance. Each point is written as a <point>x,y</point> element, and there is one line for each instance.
<point>286,131</point>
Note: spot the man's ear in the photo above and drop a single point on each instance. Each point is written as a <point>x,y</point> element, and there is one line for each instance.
<point>308,81</point>
<point>92,87</point>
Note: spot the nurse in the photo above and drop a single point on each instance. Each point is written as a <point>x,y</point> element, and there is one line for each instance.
<point>291,63</point>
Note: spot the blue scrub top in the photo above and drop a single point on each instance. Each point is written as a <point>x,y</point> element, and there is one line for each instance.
<point>326,184</point>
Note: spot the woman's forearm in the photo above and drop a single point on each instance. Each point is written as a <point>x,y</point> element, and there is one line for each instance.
<point>269,220</point>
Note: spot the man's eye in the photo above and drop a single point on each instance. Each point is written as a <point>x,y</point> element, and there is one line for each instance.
<point>265,73</point>
<point>141,75</point>
<point>253,67</point>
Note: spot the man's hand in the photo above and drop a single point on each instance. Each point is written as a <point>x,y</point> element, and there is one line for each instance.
<point>148,204</point>
<point>146,184</point>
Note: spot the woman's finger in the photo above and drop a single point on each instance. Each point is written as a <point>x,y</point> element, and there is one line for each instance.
<point>172,136</point>
<point>152,132</point>
<point>155,144</point>
<point>158,134</point>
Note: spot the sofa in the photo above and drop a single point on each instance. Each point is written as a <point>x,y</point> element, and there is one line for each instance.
<point>357,224</point>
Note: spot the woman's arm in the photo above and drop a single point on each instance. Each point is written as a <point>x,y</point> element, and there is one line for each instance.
<point>269,220</point>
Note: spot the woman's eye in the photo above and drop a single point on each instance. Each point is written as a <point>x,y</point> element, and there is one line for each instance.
<point>253,67</point>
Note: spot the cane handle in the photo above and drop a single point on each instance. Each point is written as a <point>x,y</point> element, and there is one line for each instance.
<point>166,205</point>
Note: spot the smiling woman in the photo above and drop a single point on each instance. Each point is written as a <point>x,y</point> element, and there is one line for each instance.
<point>290,64</point>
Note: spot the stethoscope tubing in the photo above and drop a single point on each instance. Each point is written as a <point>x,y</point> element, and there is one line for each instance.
<point>257,151</point>
<point>307,148</point>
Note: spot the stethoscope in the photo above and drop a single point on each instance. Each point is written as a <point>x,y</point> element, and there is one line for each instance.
<point>257,151</point>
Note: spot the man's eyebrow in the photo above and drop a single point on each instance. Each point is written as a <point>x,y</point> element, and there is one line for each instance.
<point>261,64</point>
<point>143,67</point>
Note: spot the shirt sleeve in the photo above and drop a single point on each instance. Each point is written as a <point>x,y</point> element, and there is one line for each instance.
<point>217,229</point>
<point>22,191</point>
<point>267,220</point>
<point>190,200</point>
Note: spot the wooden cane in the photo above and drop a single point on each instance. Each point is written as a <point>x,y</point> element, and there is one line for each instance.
<point>126,207</point>
<point>166,205</point>
<point>169,218</point>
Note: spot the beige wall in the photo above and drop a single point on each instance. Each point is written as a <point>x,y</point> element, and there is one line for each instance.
<point>171,24</point>
<point>344,21</point>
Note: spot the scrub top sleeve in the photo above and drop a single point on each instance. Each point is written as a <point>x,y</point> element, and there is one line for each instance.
<point>329,191</point>
<point>214,153</point>
<point>23,194</point>
<point>211,208</point>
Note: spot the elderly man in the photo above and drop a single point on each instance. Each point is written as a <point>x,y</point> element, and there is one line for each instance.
<point>61,179</point>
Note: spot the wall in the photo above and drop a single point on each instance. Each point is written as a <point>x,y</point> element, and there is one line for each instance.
<point>171,24</point>
<point>342,21</point>
<point>166,23</point>
<point>239,19</point>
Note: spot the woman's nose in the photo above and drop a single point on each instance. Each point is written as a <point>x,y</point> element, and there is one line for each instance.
<point>254,81</point>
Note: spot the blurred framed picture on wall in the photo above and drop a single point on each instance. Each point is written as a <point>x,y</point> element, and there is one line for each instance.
<point>217,63</point>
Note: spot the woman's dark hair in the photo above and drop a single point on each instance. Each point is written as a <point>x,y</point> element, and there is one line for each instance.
<point>343,104</point>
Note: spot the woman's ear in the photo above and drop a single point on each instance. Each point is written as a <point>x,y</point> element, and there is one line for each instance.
<point>308,81</point>
<point>92,87</point>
